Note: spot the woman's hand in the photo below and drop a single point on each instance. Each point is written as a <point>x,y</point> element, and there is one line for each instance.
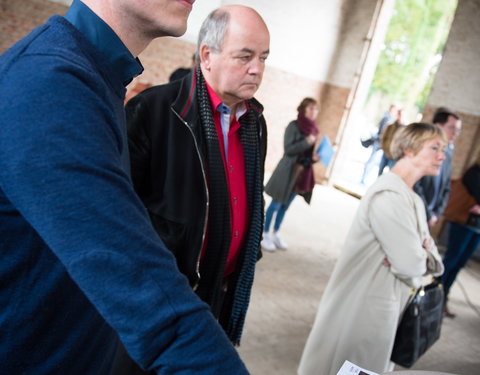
<point>311,139</point>
<point>427,243</point>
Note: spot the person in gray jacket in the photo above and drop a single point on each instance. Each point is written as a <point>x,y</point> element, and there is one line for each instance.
<point>294,173</point>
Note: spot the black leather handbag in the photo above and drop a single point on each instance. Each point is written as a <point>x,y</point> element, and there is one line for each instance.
<point>420,325</point>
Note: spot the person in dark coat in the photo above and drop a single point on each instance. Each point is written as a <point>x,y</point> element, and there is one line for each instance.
<point>197,148</point>
<point>294,173</point>
<point>463,214</point>
<point>181,72</point>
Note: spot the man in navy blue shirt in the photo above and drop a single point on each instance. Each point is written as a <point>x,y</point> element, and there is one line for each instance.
<point>82,269</point>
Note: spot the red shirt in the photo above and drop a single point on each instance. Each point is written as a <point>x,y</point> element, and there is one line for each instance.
<point>234,164</point>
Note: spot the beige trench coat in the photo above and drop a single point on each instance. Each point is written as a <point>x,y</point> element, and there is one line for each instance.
<point>363,301</point>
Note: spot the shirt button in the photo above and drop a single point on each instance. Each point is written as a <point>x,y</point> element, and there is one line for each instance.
<point>235,200</point>
<point>236,233</point>
<point>231,168</point>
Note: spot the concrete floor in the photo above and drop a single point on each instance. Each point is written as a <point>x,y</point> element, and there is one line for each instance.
<point>288,286</point>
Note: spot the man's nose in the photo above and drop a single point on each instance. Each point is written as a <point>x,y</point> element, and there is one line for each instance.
<point>256,66</point>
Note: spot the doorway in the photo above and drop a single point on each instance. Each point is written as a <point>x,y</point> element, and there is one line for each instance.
<point>401,56</point>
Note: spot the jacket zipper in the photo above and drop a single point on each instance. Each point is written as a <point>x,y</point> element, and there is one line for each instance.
<point>207,193</point>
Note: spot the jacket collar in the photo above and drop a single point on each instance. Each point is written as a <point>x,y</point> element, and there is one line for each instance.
<point>186,104</point>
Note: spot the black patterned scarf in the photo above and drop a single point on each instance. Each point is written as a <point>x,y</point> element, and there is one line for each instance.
<point>234,304</point>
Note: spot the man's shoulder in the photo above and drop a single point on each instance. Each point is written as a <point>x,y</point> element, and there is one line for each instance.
<point>53,42</point>
<point>56,33</point>
<point>160,93</point>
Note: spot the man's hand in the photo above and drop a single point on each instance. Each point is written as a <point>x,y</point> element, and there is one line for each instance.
<point>475,209</point>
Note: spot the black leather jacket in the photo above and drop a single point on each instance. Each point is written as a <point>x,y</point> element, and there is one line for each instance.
<point>168,166</point>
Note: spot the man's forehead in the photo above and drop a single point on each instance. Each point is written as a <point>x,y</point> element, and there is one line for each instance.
<point>453,121</point>
<point>249,50</point>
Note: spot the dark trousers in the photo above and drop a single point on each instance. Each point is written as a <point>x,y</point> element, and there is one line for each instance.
<point>462,243</point>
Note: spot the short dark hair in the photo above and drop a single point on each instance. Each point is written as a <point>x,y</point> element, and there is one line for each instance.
<point>304,104</point>
<point>441,116</point>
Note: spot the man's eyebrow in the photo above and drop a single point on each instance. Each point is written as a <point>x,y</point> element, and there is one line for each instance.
<point>248,50</point>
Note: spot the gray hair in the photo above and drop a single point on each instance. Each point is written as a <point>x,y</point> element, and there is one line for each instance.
<point>213,30</point>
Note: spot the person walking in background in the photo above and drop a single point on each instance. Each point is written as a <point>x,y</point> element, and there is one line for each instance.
<point>83,266</point>
<point>294,172</point>
<point>463,214</point>
<point>387,252</point>
<point>434,190</point>
<point>386,119</point>
<point>386,140</point>
<point>181,72</point>
<point>197,150</point>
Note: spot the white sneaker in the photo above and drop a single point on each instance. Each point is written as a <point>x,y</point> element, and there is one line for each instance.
<point>267,243</point>
<point>278,242</point>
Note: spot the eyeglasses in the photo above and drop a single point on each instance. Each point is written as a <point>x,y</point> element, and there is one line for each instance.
<point>454,128</point>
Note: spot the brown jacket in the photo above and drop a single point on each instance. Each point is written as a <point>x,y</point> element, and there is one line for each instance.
<point>459,203</point>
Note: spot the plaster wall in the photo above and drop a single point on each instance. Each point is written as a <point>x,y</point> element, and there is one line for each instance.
<point>457,83</point>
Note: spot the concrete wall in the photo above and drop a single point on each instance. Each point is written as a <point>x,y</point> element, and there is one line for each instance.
<point>457,82</point>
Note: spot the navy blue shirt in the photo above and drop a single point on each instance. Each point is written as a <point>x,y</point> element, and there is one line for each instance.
<point>81,264</point>
<point>123,65</point>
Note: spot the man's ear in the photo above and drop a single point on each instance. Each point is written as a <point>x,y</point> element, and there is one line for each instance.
<point>205,56</point>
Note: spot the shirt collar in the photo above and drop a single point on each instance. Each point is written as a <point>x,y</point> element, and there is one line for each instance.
<point>217,102</point>
<point>96,31</point>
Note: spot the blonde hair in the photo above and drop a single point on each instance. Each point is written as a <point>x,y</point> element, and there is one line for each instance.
<point>412,137</point>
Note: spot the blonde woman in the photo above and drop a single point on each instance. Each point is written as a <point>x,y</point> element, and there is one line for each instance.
<point>386,253</point>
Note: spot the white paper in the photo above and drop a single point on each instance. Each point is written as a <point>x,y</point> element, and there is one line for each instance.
<point>349,368</point>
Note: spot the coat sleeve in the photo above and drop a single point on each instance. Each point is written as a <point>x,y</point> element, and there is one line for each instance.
<point>394,223</point>
<point>138,118</point>
<point>294,142</point>
<point>62,171</point>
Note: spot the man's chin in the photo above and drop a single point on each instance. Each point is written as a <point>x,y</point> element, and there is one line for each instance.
<point>178,31</point>
<point>250,92</point>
